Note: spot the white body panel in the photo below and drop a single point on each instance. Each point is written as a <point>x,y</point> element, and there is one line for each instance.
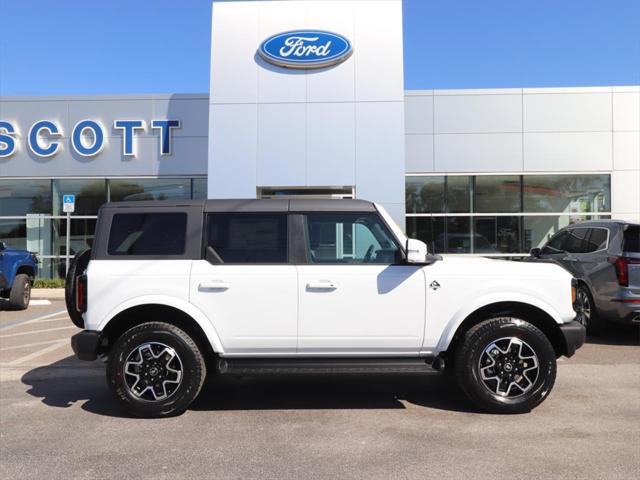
<point>467,284</point>
<point>361,309</point>
<point>122,282</point>
<point>253,307</point>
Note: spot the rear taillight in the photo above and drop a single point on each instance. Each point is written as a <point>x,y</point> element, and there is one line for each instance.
<point>621,265</point>
<point>81,293</point>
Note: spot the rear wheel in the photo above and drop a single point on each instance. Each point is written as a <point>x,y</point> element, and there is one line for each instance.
<point>155,370</point>
<point>505,365</point>
<point>20,294</point>
<point>586,311</point>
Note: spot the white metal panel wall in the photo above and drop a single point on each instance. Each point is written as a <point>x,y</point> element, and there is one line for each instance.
<point>553,130</point>
<point>342,125</point>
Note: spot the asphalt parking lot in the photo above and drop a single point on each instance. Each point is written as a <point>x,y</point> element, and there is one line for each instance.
<point>57,420</point>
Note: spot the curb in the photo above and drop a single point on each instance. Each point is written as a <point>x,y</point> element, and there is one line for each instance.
<point>48,293</point>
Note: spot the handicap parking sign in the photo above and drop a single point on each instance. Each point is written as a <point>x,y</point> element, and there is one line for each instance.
<point>68,203</point>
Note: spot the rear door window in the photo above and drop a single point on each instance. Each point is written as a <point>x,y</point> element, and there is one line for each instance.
<point>248,238</point>
<point>147,234</point>
<point>632,239</point>
<point>596,240</point>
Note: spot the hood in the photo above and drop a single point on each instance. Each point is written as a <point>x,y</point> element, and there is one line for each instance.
<point>484,266</point>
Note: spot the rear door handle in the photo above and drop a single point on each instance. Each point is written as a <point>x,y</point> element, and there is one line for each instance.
<point>322,285</point>
<point>214,285</point>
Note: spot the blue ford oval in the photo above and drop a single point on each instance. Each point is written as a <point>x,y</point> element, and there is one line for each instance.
<point>305,49</point>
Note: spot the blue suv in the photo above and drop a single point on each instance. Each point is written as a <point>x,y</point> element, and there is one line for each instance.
<point>18,269</point>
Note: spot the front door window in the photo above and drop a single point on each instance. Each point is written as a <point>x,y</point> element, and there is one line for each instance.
<point>349,239</point>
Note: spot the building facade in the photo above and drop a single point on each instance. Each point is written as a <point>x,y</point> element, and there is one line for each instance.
<point>487,172</point>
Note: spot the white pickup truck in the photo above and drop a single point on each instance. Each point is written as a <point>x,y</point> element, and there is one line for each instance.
<point>246,287</point>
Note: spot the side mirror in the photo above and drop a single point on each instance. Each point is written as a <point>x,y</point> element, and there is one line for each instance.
<point>416,251</point>
<point>3,246</point>
<point>535,252</point>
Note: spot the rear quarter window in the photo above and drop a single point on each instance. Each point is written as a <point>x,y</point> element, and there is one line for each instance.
<point>632,239</point>
<point>147,234</point>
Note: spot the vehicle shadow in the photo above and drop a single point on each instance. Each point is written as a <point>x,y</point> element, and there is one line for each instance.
<point>70,381</point>
<point>329,392</point>
<point>5,305</point>
<point>615,334</point>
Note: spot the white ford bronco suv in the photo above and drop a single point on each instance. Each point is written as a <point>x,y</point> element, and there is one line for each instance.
<point>173,290</point>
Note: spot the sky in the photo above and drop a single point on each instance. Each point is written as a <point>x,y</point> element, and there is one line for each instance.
<point>162,46</point>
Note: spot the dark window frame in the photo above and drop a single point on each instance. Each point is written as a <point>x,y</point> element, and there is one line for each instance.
<point>193,234</point>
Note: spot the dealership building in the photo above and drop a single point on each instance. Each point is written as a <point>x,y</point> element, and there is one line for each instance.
<point>488,172</point>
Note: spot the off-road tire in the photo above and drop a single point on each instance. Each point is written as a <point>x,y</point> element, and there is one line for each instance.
<point>77,266</point>
<point>20,294</point>
<point>595,325</point>
<point>469,353</point>
<point>193,368</point>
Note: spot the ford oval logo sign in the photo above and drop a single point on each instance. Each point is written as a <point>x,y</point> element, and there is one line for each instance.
<point>305,49</point>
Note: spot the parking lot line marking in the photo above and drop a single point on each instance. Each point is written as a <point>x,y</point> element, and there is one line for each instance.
<point>28,345</point>
<point>37,331</point>
<point>10,325</point>
<point>37,354</point>
<point>59,319</point>
<point>40,302</point>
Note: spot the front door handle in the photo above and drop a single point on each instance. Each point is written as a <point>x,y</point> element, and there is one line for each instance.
<point>214,285</point>
<point>322,285</point>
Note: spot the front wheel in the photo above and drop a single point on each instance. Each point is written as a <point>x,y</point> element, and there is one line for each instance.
<point>155,370</point>
<point>20,294</point>
<point>505,365</point>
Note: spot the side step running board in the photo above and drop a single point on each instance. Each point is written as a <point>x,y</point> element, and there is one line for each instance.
<point>259,366</point>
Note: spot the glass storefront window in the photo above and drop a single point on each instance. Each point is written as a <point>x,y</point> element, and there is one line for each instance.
<point>426,229</point>
<point>19,197</point>
<point>90,195</point>
<point>459,194</point>
<point>537,230</point>
<point>497,194</point>
<point>199,189</point>
<point>52,268</point>
<point>567,193</point>
<point>150,189</point>
<point>14,233</point>
<point>442,235</point>
<point>424,194</point>
<point>496,234</point>
<point>82,234</point>
<point>457,238</point>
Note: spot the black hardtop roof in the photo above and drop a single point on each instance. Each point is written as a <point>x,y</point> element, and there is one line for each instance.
<point>253,205</point>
